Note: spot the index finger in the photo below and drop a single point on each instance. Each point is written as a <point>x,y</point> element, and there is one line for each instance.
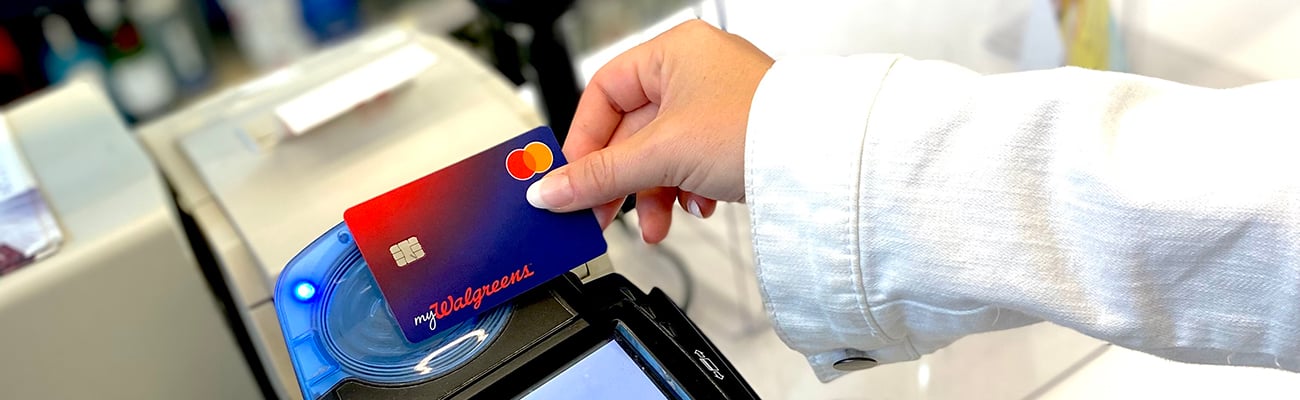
<point>626,83</point>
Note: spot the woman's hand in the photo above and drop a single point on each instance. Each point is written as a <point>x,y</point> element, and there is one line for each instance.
<point>665,120</point>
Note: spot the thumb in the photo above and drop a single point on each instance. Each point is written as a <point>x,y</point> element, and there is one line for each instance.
<point>599,177</point>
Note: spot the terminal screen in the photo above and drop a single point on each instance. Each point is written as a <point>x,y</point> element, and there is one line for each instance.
<point>606,373</point>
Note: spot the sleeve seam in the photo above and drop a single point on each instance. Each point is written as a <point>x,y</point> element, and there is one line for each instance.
<point>855,225</point>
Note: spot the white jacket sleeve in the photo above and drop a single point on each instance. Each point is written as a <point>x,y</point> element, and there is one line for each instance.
<point>898,205</point>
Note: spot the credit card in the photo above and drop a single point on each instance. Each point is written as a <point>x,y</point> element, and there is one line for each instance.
<point>464,239</point>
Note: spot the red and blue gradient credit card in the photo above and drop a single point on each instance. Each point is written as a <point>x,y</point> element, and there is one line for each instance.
<point>464,239</point>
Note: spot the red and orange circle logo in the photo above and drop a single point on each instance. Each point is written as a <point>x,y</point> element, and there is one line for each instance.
<point>533,159</point>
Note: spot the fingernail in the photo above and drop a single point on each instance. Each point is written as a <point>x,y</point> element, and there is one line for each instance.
<point>693,207</point>
<point>550,192</point>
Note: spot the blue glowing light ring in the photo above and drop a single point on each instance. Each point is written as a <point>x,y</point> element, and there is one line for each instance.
<point>361,335</point>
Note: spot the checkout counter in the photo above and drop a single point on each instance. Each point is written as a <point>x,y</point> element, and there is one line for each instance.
<point>260,192</point>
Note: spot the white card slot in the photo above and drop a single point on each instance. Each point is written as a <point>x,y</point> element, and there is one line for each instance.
<point>340,95</point>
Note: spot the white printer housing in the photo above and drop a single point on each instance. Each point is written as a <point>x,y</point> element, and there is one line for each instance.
<point>121,310</point>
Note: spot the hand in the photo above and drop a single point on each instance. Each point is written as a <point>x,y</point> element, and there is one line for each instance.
<point>665,120</point>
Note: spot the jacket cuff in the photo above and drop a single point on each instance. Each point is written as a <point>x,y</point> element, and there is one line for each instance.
<point>803,157</point>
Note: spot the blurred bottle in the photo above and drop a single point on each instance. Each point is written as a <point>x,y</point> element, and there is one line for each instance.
<point>13,82</point>
<point>330,20</point>
<point>270,33</point>
<point>138,77</point>
<point>172,27</point>
<point>66,55</point>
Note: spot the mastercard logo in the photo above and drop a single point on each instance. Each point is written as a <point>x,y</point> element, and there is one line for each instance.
<point>533,159</point>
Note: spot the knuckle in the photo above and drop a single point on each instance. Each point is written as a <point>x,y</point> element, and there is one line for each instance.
<point>695,24</point>
<point>693,27</point>
<point>669,156</point>
<point>600,173</point>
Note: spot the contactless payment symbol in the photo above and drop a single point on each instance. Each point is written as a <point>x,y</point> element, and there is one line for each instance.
<point>533,159</point>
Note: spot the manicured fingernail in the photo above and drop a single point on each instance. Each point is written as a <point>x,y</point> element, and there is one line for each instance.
<point>550,192</point>
<point>693,207</point>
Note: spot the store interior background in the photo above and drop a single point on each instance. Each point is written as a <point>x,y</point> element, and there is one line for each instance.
<point>155,57</point>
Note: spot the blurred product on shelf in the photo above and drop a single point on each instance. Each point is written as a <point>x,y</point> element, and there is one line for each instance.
<point>331,20</point>
<point>1093,37</point>
<point>172,28</point>
<point>1081,33</point>
<point>67,56</point>
<point>154,55</point>
<point>269,33</point>
<point>138,76</point>
<point>146,53</point>
<point>13,81</point>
